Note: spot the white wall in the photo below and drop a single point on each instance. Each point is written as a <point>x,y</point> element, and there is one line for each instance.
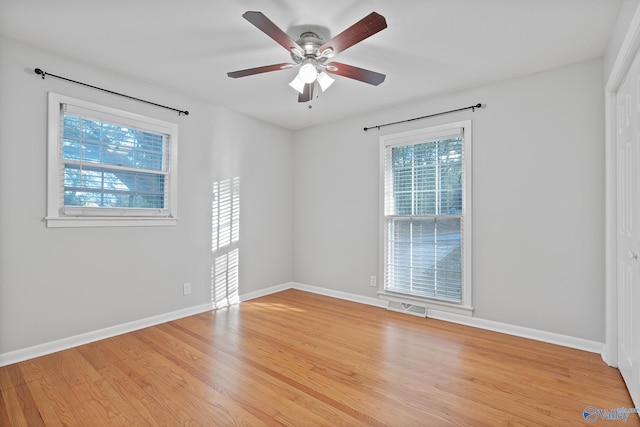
<point>57,283</point>
<point>538,199</point>
<point>309,205</point>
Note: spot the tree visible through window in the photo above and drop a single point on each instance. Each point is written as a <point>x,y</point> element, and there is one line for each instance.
<point>112,166</point>
<point>109,167</point>
<point>424,215</point>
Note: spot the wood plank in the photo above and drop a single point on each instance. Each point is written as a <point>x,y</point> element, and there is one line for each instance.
<point>295,358</point>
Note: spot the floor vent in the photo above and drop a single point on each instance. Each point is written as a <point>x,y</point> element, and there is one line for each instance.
<point>402,307</point>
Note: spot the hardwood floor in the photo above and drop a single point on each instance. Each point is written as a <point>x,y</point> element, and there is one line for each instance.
<point>298,359</point>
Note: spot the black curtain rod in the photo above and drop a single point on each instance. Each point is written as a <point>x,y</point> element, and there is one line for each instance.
<point>473,108</point>
<point>43,74</point>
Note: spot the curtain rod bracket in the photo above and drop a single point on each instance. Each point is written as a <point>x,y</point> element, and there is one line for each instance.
<point>42,73</point>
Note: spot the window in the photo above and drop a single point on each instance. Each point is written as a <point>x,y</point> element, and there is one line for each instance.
<point>108,167</point>
<point>426,216</point>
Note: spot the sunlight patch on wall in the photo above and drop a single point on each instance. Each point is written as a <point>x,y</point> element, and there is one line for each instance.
<point>225,238</point>
<point>225,213</point>
<point>224,279</point>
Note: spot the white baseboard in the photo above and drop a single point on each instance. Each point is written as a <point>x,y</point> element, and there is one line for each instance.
<point>505,328</point>
<point>520,331</point>
<point>100,334</point>
<point>77,340</point>
<point>266,291</point>
<point>376,302</point>
<point>38,350</point>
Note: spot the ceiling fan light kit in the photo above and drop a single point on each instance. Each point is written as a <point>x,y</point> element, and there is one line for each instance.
<point>311,56</point>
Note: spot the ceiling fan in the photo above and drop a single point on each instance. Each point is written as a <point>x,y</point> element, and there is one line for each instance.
<point>314,57</point>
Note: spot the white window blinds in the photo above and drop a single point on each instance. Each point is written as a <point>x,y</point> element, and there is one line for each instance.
<point>424,215</point>
<point>112,166</point>
<point>108,167</point>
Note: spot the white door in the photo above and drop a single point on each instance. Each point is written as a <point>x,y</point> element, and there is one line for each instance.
<point>628,228</point>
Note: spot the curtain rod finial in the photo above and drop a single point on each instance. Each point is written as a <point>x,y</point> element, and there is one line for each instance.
<point>40,72</point>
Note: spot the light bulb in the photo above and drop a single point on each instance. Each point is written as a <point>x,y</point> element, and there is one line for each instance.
<point>308,72</point>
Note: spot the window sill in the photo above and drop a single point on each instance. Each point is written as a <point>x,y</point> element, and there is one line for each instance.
<point>70,222</point>
<point>429,303</point>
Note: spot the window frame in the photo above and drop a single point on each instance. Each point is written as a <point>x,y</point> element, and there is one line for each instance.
<point>431,133</point>
<point>59,215</point>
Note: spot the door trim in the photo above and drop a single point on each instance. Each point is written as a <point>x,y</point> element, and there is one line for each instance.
<point>626,54</point>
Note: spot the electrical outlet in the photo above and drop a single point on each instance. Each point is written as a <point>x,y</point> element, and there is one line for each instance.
<point>186,288</point>
<point>373,281</point>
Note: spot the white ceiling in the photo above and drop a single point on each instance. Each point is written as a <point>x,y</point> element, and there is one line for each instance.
<point>429,47</point>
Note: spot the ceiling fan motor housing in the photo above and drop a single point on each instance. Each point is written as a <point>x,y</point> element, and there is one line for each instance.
<point>310,42</point>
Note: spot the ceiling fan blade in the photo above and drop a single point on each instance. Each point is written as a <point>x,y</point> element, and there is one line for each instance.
<point>307,94</point>
<point>259,70</point>
<point>366,27</point>
<point>272,30</point>
<point>366,76</point>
